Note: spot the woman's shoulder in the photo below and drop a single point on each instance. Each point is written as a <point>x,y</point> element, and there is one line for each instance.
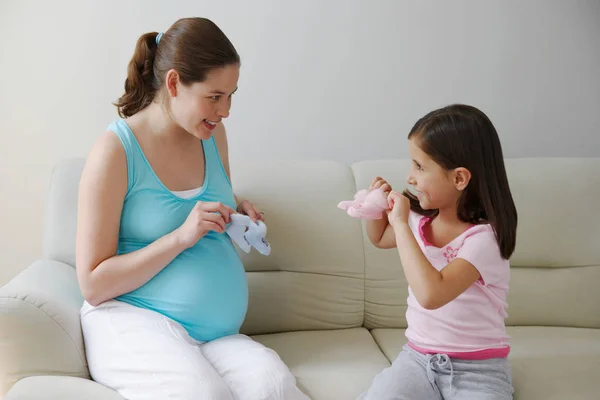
<point>118,139</point>
<point>220,136</point>
<point>106,159</point>
<point>107,147</point>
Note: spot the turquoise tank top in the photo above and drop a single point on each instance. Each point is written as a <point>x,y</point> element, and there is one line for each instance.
<point>205,287</point>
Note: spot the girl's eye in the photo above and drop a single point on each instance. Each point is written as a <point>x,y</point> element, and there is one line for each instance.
<point>216,98</point>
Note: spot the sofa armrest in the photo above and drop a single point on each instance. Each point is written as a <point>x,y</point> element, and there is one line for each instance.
<point>40,330</point>
<point>60,387</point>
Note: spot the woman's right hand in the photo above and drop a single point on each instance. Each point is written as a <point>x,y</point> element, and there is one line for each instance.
<point>379,182</point>
<point>203,218</point>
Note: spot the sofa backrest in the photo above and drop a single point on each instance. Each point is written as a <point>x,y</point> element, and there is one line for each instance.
<point>60,219</point>
<point>324,274</point>
<point>556,266</point>
<point>314,277</point>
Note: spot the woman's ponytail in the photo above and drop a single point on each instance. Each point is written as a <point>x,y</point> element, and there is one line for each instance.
<point>140,83</point>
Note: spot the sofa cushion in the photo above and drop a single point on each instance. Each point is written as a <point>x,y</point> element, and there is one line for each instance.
<point>60,387</point>
<point>314,277</point>
<point>336,364</point>
<point>548,363</point>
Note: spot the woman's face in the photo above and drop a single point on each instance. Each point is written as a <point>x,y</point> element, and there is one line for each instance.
<point>199,107</point>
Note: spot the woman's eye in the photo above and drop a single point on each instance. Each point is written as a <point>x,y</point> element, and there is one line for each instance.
<point>215,98</point>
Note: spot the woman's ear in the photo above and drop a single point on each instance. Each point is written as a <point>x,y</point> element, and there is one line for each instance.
<point>171,80</point>
<point>462,177</point>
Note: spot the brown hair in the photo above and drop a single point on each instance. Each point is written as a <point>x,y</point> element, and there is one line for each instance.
<point>192,46</point>
<point>463,136</point>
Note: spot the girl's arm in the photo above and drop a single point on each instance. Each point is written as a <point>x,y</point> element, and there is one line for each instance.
<point>379,231</point>
<point>432,288</point>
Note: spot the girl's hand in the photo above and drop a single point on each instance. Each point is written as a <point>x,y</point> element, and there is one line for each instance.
<point>379,182</point>
<point>400,207</point>
<point>203,218</point>
<point>247,208</point>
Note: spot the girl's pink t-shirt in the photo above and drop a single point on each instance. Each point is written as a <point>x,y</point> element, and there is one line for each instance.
<point>472,325</point>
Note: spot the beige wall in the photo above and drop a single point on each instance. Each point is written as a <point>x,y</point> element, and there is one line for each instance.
<point>336,80</point>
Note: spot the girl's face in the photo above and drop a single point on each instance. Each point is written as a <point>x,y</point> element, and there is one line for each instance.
<point>436,187</point>
<point>199,107</point>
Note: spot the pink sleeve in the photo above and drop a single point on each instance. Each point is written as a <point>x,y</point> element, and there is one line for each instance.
<point>413,220</point>
<point>481,249</point>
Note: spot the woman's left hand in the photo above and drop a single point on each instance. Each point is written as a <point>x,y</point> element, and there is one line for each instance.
<point>400,207</point>
<point>247,208</point>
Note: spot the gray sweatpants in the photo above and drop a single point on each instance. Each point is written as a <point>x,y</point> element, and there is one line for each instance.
<point>415,376</point>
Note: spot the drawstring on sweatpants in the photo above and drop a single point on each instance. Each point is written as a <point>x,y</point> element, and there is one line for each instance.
<point>441,362</point>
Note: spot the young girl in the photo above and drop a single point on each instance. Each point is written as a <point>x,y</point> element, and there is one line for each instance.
<point>455,235</point>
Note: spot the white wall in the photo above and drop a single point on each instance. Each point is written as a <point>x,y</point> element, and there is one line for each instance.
<point>342,80</point>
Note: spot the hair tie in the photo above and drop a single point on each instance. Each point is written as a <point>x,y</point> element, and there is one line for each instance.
<point>158,38</point>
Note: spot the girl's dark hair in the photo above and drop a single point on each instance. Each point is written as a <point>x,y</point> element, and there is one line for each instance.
<point>192,46</point>
<point>462,136</point>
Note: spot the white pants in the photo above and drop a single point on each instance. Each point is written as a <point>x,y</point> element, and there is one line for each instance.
<point>144,355</point>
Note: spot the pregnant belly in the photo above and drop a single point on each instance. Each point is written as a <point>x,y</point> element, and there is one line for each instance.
<point>204,289</point>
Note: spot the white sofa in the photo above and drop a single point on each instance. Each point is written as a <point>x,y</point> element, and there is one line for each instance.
<point>326,300</point>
